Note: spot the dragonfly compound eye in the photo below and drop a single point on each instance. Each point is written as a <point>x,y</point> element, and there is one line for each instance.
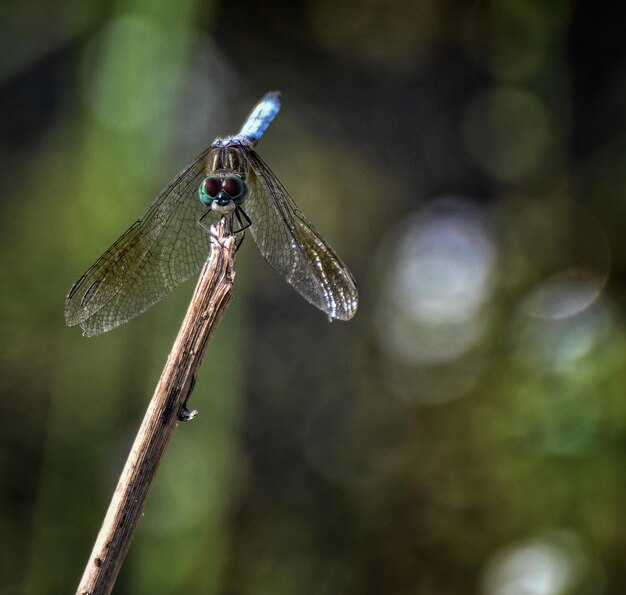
<point>209,189</point>
<point>235,187</point>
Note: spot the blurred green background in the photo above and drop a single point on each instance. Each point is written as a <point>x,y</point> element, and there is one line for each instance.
<point>465,433</point>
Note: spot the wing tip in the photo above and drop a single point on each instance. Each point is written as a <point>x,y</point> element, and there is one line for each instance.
<point>346,313</point>
<point>70,318</point>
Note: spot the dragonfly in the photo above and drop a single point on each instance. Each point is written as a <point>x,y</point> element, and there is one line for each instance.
<point>170,242</point>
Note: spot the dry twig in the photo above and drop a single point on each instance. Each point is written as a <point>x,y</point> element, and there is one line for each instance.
<point>167,407</point>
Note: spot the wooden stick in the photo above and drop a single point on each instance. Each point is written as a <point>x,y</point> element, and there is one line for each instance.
<point>167,407</point>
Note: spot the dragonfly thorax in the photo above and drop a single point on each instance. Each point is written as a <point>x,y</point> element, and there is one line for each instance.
<point>227,156</point>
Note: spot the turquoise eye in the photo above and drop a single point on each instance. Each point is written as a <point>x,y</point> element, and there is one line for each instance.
<point>209,189</point>
<point>235,187</point>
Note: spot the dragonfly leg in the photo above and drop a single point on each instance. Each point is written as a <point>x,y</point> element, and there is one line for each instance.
<point>209,228</point>
<point>239,213</point>
<point>202,224</point>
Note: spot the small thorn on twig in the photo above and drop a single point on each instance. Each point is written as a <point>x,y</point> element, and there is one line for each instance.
<point>186,415</point>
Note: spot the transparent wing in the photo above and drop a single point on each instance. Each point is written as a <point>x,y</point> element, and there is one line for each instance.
<point>157,253</point>
<point>294,248</point>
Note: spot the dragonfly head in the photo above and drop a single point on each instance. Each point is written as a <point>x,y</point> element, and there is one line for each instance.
<point>223,193</point>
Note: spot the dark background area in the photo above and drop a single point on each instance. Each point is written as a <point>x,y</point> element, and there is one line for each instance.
<point>464,433</point>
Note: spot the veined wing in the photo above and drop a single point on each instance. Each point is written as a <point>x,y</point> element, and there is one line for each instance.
<point>293,247</point>
<point>158,252</point>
